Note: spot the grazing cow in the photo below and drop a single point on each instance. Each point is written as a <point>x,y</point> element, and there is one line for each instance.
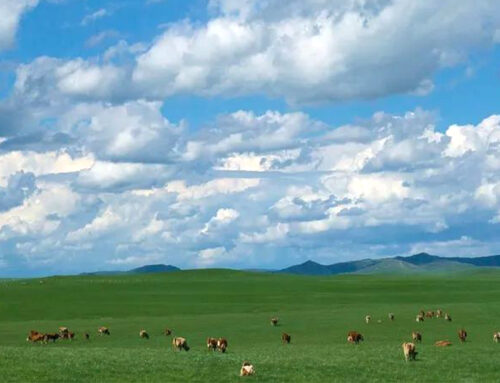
<point>439,313</point>
<point>285,338</point>
<point>212,344</point>
<point>247,369</point>
<point>429,314</point>
<point>416,336</point>
<point>68,335</point>
<point>50,336</point>
<point>144,334</point>
<point>87,336</point>
<point>354,337</point>
<point>368,319</point>
<point>447,317</point>
<point>274,321</point>
<point>496,337</point>
<point>35,336</point>
<point>63,330</point>
<point>167,332</point>
<point>180,343</point>
<point>103,331</point>
<point>462,335</point>
<point>409,351</point>
<point>420,318</point>
<point>391,316</point>
<point>222,345</point>
<point>442,343</point>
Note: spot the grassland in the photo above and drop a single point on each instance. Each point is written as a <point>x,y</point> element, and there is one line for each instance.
<point>316,311</point>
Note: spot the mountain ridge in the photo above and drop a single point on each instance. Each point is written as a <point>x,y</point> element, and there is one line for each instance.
<point>416,263</point>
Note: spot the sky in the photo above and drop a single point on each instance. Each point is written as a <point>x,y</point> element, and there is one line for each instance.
<point>246,133</point>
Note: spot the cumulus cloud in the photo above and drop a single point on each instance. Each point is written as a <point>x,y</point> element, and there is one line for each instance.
<point>307,52</point>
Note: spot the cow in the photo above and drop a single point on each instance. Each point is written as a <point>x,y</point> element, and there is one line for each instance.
<point>34,336</point>
<point>447,317</point>
<point>354,337</point>
<point>429,314</point>
<point>87,336</point>
<point>391,316</point>
<point>409,351</point>
<point>222,345</point>
<point>462,335</point>
<point>167,332</point>
<point>211,344</point>
<point>63,330</point>
<point>439,313</point>
<point>368,319</point>
<point>496,337</point>
<point>420,318</point>
<point>180,343</point>
<point>274,321</point>
<point>68,335</point>
<point>421,312</point>
<point>103,331</point>
<point>416,336</point>
<point>50,336</point>
<point>285,338</point>
<point>442,343</point>
<point>247,369</point>
<point>144,334</point>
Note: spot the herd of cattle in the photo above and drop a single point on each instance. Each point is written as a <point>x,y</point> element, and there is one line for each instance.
<point>220,344</point>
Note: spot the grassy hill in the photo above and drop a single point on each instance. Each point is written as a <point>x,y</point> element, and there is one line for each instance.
<point>316,311</point>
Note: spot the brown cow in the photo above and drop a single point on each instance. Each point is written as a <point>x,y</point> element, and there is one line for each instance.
<point>442,343</point>
<point>180,343</point>
<point>429,314</point>
<point>285,338</point>
<point>420,318</point>
<point>462,335</point>
<point>447,317</point>
<point>167,332</point>
<point>212,344</point>
<point>416,336</point>
<point>103,331</point>
<point>50,336</point>
<point>247,369</point>
<point>68,335</point>
<point>496,337</point>
<point>409,351</point>
<point>144,334</point>
<point>222,345</point>
<point>354,337</point>
<point>34,336</point>
<point>274,321</point>
<point>391,316</point>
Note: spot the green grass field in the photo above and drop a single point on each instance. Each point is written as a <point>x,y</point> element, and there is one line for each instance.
<point>316,311</point>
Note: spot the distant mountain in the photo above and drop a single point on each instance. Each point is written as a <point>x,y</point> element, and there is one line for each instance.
<point>154,269</point>
<point>417,263</point>
<point>139,270</point>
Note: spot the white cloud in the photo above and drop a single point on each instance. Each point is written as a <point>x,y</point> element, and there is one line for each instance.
<point>92,17</point>
<point>11,12</point>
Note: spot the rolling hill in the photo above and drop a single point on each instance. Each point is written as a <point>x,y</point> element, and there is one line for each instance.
<point>414,264</point>
<point>139,270</point>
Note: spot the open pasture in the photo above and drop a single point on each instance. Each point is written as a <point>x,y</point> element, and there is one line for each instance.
<point>316,311</point>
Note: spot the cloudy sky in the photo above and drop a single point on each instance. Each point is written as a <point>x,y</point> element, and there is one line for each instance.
<point>246,133</point>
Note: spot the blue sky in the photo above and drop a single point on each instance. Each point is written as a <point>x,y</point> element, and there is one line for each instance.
<point>246,133</point>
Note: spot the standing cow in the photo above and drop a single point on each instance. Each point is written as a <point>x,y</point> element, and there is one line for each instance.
<point>144,334</point>
<point>211,344</point>
<point>391,316</point>
<point>285,338</point>
<point>274,321</point>
<point>462,335</point>
<point>368,319</point>
<point>354,337</point>
<point>409,351</point>
<point>496,337</point>
<point>222,345</point>
<point>103,331</point>
<point>416,336</point>
<point>180,343</point>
